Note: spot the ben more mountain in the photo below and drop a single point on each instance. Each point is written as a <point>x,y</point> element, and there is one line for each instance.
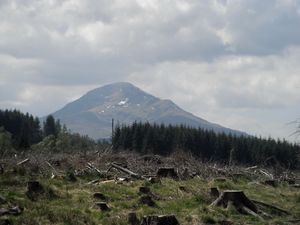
<point>92,113</point>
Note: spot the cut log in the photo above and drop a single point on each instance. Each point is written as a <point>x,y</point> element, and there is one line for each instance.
<point>160,220</point>
<point>238,198</point>
<point>127,171</point>
<point>102,206</point>
<point>167,172</point>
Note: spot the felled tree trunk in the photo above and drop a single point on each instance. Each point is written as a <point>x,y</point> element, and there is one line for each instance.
<point>238,198</point>
<point>160,220</point>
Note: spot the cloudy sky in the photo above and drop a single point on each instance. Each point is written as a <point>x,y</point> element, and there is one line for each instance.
<point>233,62</point>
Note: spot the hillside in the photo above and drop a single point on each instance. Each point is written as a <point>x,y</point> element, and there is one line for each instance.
<point>92,113</point>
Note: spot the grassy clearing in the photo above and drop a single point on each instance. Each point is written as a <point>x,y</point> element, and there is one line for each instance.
<point>67,202</point>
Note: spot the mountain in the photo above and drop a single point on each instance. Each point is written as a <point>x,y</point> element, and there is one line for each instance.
<point>92,113</point>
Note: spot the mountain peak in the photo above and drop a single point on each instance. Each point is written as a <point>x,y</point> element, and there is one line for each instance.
<point>92,113</point>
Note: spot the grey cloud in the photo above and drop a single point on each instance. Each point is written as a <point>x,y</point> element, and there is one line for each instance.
<point>215,58</point>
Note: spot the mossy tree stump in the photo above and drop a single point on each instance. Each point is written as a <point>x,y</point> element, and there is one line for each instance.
<point>238,199</point>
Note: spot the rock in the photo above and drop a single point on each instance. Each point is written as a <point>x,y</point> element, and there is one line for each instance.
<point>132,219</point>
<point>147,200</point>
<point>144,190</point>
<point>99,196</point>
<point>160,220</point>
<point>214,192</point>
<point>167,172</point>
<point>103,206</point>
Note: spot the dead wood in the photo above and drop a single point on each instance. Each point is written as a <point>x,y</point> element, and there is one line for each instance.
<point>147,200</point>
<point>167,172</point>
<point>238,198</point>
<point>214,192</point>
<point>282,211</point>
<point>100,196</point>
<point>127,171</point>
<point>1,169</point>
<point>23,162</point>
<point>91,166</point>
<point>160,220</point>
<point>102,206</point>
<point>132,219</point>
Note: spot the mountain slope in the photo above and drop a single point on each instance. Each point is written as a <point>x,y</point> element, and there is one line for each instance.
<point>92,113</point>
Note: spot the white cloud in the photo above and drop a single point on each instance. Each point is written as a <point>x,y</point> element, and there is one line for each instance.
<point>234,62</point>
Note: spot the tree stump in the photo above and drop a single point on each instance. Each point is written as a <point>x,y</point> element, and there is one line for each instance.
<point>2,200</point>
<point>160,220</point>
<point>34,189</point>
<point>147,200</point>
<point>167,172</point>
<point>272,183</point>
<point>102,206</point>
<point>132,219</point>
<point>214,192</point>
<point>238,198</point>
<point>144,190</point>
<point>1,169</point>
<point>99,196</point>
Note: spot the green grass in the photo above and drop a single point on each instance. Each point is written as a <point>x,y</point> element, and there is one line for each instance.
<point>71,202</point>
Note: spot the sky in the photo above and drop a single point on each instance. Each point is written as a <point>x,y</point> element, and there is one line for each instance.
<point>232,62</point>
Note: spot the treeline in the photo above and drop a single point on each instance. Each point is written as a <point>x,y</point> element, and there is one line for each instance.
<point>19,132</point>
<point>207,145</point>
<point>24,129</point>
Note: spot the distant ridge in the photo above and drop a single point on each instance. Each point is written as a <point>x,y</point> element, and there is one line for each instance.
<point>92,113</point>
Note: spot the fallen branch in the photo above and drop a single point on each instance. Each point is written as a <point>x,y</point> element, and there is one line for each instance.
<point>267,174</point>
<point>23,162</point>
<point>91,166</point>
<point>49,164</point>
<point>127,171</point>
<point>271,206</point>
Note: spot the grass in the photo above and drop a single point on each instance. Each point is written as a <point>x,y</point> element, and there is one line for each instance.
<point>70,202</point>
